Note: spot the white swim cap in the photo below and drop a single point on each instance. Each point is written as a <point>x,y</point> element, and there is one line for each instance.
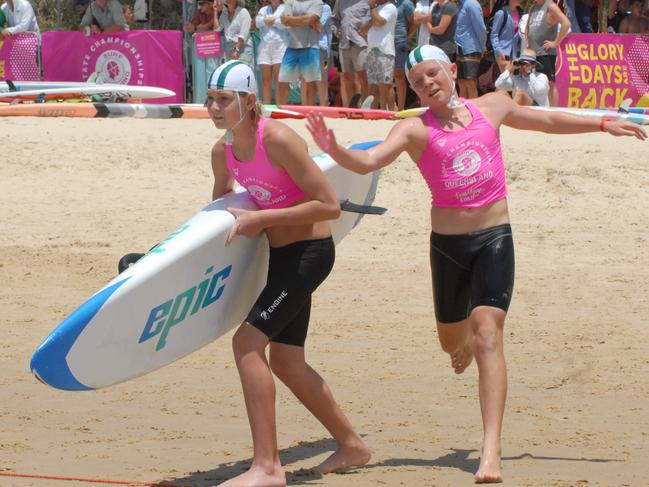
<point>425,53</point>
<point>235,76</point>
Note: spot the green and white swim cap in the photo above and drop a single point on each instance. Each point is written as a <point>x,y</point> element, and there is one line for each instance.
<point>235,76</point>
<point>425,53</point>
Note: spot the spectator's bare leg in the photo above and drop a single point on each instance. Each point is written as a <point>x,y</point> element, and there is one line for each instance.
<point>267,81</point>
<point>309,89</point>
<point>468,88</point>
<point>361,82</point>
<point>323,92</point>
<point>375,92</point>
<point>282,93</point>
<point>304,92</point>
<point>347,87</point>
<point>400,80</point>
<point>553,95</point>
<point>275,69</point>
<point>386,94</point>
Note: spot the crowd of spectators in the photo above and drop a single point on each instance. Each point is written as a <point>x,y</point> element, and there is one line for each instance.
<point>344,52</point>
<point>505,47</point>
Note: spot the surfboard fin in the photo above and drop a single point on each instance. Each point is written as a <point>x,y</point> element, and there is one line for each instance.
<point>127,261</point>
<point>364,209</point>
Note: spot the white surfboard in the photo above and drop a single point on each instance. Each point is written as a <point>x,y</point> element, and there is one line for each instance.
<point>129,91</point>
<point>186,292</point>
<point>6,86</point>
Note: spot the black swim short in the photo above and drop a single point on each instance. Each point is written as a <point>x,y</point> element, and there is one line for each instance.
<point>548,63</point>
<point>468,64</point>
<point>283,308</point>
<point>470,270</point>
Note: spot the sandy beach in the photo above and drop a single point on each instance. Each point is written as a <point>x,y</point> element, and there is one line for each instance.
<point>75,195</point>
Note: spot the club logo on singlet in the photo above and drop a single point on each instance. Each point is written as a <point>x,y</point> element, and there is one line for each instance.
<point>441,142</point>
<point>235,172</point>
<point>467,162</point>
<point>260,194</point>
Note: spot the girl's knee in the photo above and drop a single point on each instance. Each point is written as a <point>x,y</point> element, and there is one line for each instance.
<point>285,370</point>
<point>487,341</point>
<point>487,326</point>
<point>247,339</point>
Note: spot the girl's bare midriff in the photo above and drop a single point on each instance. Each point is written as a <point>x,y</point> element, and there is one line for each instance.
<point>456,221</point>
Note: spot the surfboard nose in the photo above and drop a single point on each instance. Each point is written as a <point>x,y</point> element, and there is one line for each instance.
<point>49,362</point>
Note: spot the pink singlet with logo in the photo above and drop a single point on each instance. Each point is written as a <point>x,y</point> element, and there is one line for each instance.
<point>270,187</point>
<point>463,168</point>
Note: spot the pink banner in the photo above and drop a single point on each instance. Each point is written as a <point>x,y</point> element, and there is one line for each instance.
<point>208,44</point>
<point>18,57</point>
<point>602,70</point>
<point>142,57</point>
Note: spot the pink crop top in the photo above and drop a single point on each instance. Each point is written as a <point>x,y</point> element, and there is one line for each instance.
<point>270,187</point>
<point>463,168</point>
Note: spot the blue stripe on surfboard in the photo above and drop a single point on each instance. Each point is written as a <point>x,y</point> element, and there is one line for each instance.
<point>369,198</point>
<point>49,362</point>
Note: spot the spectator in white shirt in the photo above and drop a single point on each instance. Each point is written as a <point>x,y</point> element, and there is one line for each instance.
<point>20,18</point>
<point>235,22</point>
<point>380,58</point>
<point>272,45</point>
<point>526,85</point>
<point>422,18</point>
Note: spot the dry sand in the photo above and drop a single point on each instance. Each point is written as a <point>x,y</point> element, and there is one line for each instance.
<point>75,195</point>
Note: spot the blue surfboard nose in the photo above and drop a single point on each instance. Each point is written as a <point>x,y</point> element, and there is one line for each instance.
<point>49,362</point>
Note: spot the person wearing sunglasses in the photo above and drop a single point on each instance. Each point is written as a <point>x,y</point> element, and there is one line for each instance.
<point>521,79</point>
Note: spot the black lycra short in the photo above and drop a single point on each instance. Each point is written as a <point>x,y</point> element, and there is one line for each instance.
<point>283,308</point>
<point>470,270</point>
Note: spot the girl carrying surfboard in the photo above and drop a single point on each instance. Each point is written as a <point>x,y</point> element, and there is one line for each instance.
<point>271,161</point>
<point>456,146</point>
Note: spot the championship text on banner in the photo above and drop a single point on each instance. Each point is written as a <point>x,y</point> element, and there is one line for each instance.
<point>602,70</point>
<point>142,57</point>
<point>18,57</point>
<point>208,44</point>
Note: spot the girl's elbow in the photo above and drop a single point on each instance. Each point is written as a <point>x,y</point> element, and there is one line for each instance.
<point>333,210</point>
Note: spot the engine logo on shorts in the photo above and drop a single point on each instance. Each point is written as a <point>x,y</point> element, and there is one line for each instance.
<point>266,313</point>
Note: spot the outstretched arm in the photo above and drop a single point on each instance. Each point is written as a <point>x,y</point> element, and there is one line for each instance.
<point>524,118</point>
<point>360,161</point>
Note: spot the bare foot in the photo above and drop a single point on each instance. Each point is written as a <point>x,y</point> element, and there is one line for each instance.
<point>345,458</point>
<point>489,471</point>
<point>461,359</point>
<point>258,477</point>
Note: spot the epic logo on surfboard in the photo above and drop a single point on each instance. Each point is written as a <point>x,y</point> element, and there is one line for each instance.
<point>174,311</point>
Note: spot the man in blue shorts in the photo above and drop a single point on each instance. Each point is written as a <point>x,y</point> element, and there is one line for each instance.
<point>302,56</point>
